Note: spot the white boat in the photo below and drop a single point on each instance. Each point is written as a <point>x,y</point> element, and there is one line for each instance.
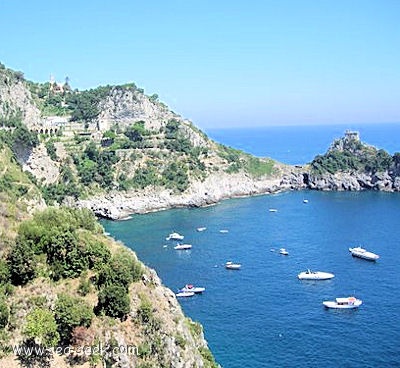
<point>315,275</point>
<point>224,231</point>
<point>192,289</point>
<point>283,251</point>
<point>305,200</point>
<point>174,236</point>
<point>362,253</point>
<point>343,303</point>
<point>184,294</point>
<point>232,266</point>
<point>183,246</point>
<point>199,229</point>
<point>273,210</point>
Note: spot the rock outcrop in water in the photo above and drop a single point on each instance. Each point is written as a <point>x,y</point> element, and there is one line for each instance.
<point>353,165</point>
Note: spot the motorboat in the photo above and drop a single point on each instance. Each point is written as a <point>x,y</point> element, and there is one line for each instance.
<point>191,288</point>
<point>343,303</point>
<point>200,229</point>
<point>224,231</point>
<point>183,246</point>
<point>315,275</point>
<point>174,236</point>
<point>273,210</point>
<point>232,266</point>
<point>305,200</point>
<point>184,294</point>
<point>362,253</point>
<point>283,251</point>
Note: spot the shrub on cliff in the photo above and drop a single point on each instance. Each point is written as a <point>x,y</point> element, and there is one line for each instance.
<point>21,261</point>
<point>71,312</point>
<point>58,235</point>
<point>113,302</point>
<point>122,270</point>
<point>41,326</point>
<point>4,312</point>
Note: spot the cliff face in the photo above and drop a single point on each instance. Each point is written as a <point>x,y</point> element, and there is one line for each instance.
<point>353,165</point>
<point>16,99</point>
<point>124,106</point>
<point>382,181</point>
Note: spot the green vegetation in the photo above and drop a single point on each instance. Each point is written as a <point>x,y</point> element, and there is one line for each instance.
<point>145,311</point>
<point>4,313</point>
<point>54,234</point>
<point>175,177</point>
<point>71,312</point>
<point>258,167</point>
<point>113,302</point>
<point>41,326</point>
<point>180,341</point>
<point>84,106</point>
<point>353,157</point>
<point>239,160</point>
<point>51,150</point>
<point>174,139</point>
<point>208,359</point>
<point>96,166</point>
<point>113,281</point>
<point>195,328</point>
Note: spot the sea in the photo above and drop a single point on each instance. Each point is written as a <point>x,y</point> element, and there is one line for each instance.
<point>262,315</point>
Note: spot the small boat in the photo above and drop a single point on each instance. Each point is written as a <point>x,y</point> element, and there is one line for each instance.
<point>283,251</point>
<point>200,229</point>
<point>174,236</point>
<point>224,231</point>
<point>315,275</point>
<point>362,253</point>
<point>184,294</point>
<point>183,246</point>
<point>343,303</point>
<point>273,210</point>
<point>232,266</point>
<point>305,200</point>
<point>192,289</point>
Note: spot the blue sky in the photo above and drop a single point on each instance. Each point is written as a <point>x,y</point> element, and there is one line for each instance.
<point>220,63</point>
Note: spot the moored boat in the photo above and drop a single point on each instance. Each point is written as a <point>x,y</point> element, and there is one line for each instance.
<point>315,275</point>
<point>183,246</point>
<point>191,288</point>
<point>364,254</point>
<point>283,251</point>
<point>200,229</point>
<point>185,294</point>
<point>232,266</point>
<point>174,236</point>
<point>343,303</point>
<point>273,210</point>
<point>224,231</point>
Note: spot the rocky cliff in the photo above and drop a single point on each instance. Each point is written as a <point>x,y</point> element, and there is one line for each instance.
<point>350,164</point>
<point>16,99</point>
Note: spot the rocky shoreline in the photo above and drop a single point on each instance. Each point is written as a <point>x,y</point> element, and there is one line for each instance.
<point>217,187</point>
<point>119,205</point>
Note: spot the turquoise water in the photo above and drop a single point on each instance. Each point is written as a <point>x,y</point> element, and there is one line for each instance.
<point>262,315</point>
